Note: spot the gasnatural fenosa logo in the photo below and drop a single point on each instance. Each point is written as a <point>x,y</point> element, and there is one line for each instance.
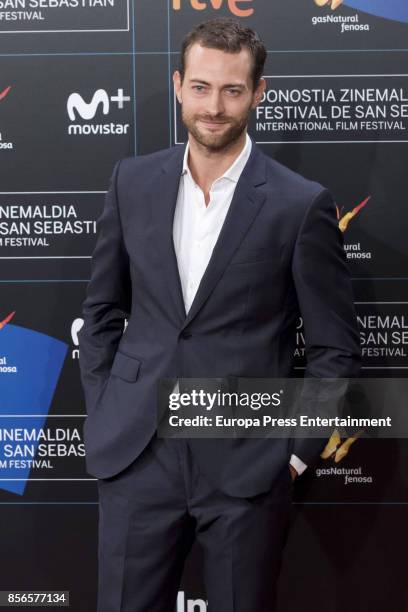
<point>396,10</point>
<point>332,3</point>
<point>344,219</point>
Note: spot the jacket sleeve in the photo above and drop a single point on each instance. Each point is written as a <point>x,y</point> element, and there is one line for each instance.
<point>108,299</point>
<point>325,298</point>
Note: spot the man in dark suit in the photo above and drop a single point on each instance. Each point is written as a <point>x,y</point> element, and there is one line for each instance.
<point>211,252</point>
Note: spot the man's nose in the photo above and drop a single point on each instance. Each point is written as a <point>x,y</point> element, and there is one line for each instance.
<point>215,103</point>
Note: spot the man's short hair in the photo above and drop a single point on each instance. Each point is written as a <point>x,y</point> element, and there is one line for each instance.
<point>226,35</point>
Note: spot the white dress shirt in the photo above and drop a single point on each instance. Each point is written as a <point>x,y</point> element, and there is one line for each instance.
<point>196,228</point>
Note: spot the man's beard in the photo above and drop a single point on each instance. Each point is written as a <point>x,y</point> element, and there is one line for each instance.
<point>215,141</point>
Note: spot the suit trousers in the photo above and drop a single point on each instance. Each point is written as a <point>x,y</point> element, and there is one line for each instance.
<point>151,513</point>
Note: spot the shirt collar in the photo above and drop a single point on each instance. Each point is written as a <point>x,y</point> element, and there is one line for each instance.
<point>234,171</point>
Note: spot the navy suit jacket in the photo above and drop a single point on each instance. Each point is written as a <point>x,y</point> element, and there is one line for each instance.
<point>279,256</point>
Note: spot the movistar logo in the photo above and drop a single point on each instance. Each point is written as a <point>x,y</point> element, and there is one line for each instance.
<point>88,110</point>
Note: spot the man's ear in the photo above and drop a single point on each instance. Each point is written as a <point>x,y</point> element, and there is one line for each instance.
<point>177,84</point>
<point>259,92</point>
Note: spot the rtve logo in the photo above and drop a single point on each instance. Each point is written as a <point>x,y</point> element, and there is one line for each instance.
<point>235,6</point>
<point>333,3</point>
<point>87,110</point>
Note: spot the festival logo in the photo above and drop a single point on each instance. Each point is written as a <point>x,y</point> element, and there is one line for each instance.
<point>18,16</point>
<point>332,108</point>
<point>63,226</point>
<point>30,367</point>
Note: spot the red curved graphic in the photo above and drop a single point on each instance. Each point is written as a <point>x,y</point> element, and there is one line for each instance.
<point>7,319</point>
<point>4,93</point>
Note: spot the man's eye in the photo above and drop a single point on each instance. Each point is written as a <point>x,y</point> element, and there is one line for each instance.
<point>233,92</point>
<point>199,88</point>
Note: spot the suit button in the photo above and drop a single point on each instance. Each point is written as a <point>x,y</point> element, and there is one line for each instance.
<point>185,334</point>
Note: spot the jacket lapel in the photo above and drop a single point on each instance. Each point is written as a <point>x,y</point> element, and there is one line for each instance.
<point>163,210</point>
<point>245,205</point>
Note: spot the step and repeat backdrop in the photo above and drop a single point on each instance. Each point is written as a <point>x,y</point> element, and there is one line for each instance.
<point>84,83</point>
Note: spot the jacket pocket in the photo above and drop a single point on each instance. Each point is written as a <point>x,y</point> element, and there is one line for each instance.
<point>125,367</point>
<point>253,256</point>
